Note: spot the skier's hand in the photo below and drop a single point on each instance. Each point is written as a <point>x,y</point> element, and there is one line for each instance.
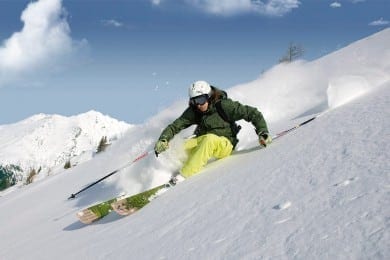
<point>161,146</point>
<point>264,139</point>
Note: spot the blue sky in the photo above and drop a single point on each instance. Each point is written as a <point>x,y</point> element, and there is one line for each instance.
<point>131,58</point>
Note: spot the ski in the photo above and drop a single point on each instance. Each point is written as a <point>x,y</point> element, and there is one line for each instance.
<point>122,205</point>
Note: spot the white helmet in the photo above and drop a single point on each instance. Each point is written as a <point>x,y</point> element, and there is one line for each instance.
<point>199,88</point>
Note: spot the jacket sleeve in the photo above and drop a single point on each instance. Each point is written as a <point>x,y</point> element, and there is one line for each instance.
<point>237,111</point>
<point>185,120</point>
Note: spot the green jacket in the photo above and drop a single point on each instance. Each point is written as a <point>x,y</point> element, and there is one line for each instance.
<point>210,122</point>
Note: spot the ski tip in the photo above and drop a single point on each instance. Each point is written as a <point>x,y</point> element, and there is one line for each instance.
<point>72,196</point>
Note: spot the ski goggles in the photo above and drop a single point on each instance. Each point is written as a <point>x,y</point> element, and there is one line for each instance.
<point>199,100</point>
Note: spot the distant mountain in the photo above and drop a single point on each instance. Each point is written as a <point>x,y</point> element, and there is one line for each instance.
<point>44,142</point>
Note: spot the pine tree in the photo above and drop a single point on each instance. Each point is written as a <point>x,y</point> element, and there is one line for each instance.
<point>102,144</point>
<point>67,165</point>
<point>7,178</point>
<point>293,52</point>
<point>30,177</point>
<point>9,175</point>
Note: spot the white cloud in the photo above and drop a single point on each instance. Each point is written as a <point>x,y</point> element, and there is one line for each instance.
<point>43,41</point>
<point>156,2</point>
<point>222,6</point>
<point>380,22</point>
<point>275,7</point>
<point>112,22</point>
<point>335,5</point>
<point>232,7</point>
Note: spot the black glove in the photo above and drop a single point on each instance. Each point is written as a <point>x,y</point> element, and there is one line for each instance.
<point>264,139</point>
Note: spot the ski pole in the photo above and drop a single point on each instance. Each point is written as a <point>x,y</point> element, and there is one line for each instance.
<point>73,195</point>
<point>293,128</point>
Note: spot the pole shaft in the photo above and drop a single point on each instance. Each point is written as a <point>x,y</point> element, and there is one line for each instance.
<point>293,128</point>
<point>140,157</point>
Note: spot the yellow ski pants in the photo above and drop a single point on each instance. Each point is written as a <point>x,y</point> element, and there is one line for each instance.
<point>203,148</point>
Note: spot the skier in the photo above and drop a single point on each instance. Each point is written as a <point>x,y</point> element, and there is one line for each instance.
<point>216,132</point>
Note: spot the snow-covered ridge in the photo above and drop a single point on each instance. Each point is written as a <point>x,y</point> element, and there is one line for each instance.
<point>326,83</point>
<point>45,141</point>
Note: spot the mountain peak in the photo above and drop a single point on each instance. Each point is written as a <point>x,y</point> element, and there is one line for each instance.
<point>45,141</point>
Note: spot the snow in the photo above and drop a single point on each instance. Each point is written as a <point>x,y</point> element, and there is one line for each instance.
<point>320,192</point>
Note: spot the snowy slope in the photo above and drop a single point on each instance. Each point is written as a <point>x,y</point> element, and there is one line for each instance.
<point>321,192</point>
<point>45,141</point>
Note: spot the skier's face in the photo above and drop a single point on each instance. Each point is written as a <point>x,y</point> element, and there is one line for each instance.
<point>200,102</point>
<point>203,107</point>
